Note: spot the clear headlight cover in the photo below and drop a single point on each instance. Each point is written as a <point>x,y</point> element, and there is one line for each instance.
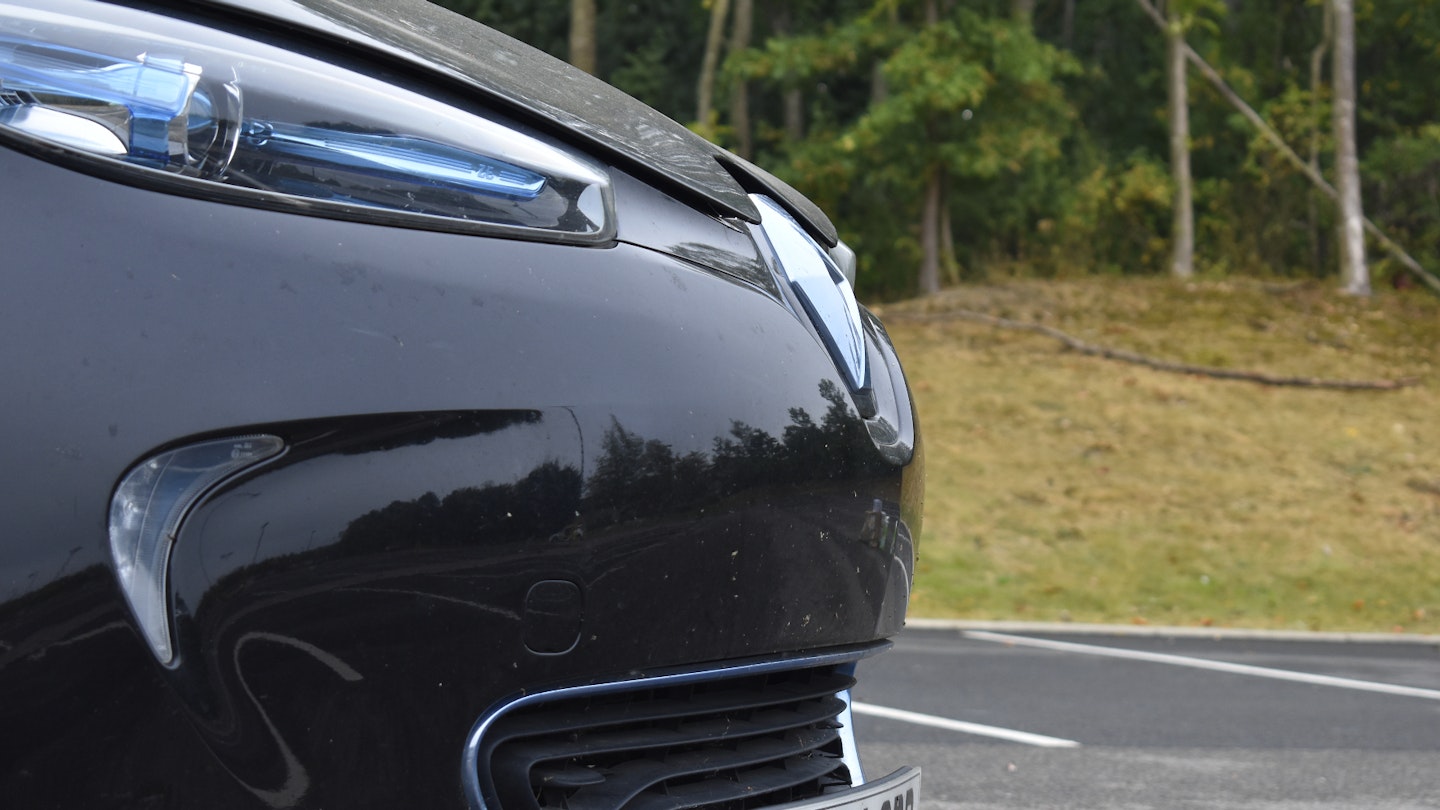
<point>257,123</point>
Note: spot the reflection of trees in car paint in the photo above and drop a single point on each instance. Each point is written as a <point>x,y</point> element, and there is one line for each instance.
<point>638,477</point>
<point>758,509</point>
<point>634,478</point>
<point>538,505</point>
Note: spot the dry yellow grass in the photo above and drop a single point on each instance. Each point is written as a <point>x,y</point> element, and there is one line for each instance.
<point>1064,487</point>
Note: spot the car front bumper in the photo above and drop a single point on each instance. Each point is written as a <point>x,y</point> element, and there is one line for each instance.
<point>510,467</point>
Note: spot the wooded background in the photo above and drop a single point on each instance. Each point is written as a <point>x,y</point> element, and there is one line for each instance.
<point>956,140</point>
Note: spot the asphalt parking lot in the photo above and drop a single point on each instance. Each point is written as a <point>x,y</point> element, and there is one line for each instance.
<point>1046,720</point>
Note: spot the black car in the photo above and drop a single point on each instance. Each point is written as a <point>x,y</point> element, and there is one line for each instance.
<point>396,417</point>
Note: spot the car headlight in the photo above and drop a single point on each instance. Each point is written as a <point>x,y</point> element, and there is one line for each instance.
<point>223,116</point>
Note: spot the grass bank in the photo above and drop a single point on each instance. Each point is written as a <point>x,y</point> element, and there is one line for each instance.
<point>1063,487</point>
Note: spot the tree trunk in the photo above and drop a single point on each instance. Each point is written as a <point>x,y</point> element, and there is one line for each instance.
<point>879,85</point>
<point>934,202</point>
<point>794,102</point>
<point>740,35</point>
<point>582,35</point>
<point>792,98</point>
<point>1022,10</point>
<point>1354,276</point>
<point>930,234</point>
<point>947,233</point>
<point>1182,262</point>
<point>1317,71</point>
<point>1211,75</point>
<point>1067,26</point>
<point>705,105</point>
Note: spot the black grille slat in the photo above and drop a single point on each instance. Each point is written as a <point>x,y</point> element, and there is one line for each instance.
<point>723,727</point>
<point>730,742</point>
<point>628,780</point>
<point>589,715</point>
<point>565,776</point>
<point>756,784</point>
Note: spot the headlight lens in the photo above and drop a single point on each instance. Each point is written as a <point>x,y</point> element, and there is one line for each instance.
<point>200,105</point>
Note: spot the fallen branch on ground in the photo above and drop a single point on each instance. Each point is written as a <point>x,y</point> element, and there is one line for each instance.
<point>1122,355</point>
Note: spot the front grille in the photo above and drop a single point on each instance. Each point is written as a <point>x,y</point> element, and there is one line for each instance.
<point>719,743</point>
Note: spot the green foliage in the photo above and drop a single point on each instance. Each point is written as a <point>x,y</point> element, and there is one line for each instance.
<point>973,96</point>
<point>1199,16</point>
<point>1403,173</point>
<point>1112,220</point>
<point>1051,133</point>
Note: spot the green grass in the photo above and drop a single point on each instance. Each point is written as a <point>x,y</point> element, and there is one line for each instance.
<point>1064,487</point>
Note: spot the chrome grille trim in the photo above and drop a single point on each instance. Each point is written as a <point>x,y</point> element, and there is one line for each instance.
<point>503,721</point>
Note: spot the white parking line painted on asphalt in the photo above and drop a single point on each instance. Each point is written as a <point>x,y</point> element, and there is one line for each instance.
<point>961,726</point>
<point>1204,663</point>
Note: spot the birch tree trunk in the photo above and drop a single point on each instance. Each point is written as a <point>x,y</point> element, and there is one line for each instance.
<point>1354,275</point>
<point>705,90</point>
<point>1182,234</point>
<point>934,203</point>
<point>740,35</point>
<point>1317,71</point>
<point>582,35</point>
<point>1211,75</point>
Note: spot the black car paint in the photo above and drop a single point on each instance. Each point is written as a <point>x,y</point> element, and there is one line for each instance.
<point>650,422</point>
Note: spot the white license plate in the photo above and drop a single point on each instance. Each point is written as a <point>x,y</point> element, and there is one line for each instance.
<point>898,791</point>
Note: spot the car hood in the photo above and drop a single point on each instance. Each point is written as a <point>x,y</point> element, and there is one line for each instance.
<point>541,86</point>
